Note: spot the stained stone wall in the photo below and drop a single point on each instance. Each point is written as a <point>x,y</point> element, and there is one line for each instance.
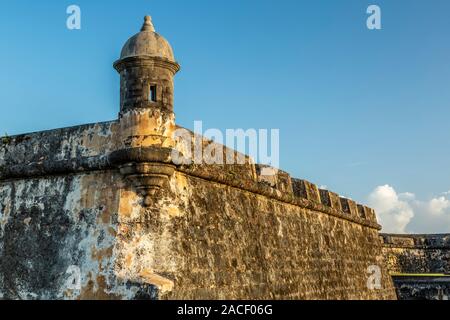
<point>68,212</point>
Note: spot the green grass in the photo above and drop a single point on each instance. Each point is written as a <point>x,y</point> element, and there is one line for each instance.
<point>397,274</point>
<point>5,139</point>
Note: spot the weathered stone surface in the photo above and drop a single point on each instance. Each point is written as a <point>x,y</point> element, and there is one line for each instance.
<point>241,245</point>
<point>422,287</point>
<point>419,264</point>
<point>209,236</point>
<point>107,204</point>
<point>147,43</point>
<point>52,223</point>
<point>417,253</point>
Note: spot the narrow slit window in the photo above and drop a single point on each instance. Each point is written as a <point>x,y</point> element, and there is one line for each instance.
<point>152,94</point>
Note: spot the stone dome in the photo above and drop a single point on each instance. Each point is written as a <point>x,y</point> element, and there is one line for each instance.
<point>147,43</point>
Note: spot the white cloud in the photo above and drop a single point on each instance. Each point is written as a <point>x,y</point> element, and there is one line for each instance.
<point>393,213</point>
<point>437,206</point>
<point>404,213</point>
<point>407,196</point>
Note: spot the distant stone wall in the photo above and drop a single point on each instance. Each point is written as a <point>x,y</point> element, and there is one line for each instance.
<point>67,208</point>
<point>417,253</point>
<point>422,287</point>
<point>420,265</point>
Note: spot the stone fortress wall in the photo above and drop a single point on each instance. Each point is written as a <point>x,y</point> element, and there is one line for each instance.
<point>419,264</point>
<point>216,232</point>
<point>417,253</point>
<point>102,211</point>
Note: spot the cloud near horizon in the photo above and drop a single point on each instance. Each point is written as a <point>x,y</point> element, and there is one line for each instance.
<point>404,213</point>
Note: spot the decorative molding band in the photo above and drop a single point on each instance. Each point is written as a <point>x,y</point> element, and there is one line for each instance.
<point>147,61</point>
<point>152,166</point>
<point>416,241</point>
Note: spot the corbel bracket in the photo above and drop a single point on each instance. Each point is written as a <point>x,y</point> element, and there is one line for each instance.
<point>148,169</point>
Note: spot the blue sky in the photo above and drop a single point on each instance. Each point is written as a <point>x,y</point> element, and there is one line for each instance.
<point>357,109</point>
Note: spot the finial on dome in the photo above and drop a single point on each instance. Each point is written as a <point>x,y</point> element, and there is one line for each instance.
<point>148,25</point>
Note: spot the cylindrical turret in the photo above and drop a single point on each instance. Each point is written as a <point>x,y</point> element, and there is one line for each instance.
<point>147,67</point>
<point>146,119</point>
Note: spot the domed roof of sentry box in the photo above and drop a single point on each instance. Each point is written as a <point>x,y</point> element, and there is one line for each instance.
<point>147,43</point>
